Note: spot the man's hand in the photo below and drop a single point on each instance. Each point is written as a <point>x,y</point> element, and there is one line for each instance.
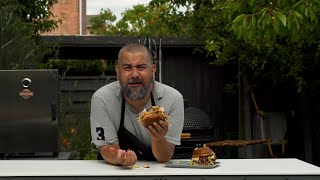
<point>114,155</point>
<point>158,130</point>
<point>124,158</point>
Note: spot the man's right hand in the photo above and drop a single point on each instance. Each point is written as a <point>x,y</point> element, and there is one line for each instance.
<point>114,155</point>
<point>124,158</point>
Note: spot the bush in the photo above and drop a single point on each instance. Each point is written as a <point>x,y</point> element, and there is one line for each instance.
<point>76,67</point>
<point>75,135</point>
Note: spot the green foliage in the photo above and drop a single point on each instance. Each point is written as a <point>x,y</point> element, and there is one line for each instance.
<point>91,154</point>
<point>141,20</point>
<point>270,40</point>
<point>75,134</point>
<point>81,67</point>
<point>37,13</point>
<point>103,23</point>
<point>16,47</point>
<point>144,20</point>
<point>19,42</point>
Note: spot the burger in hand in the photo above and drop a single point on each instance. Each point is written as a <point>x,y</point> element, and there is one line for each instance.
<point>203,156</point>
<point>155,114</point>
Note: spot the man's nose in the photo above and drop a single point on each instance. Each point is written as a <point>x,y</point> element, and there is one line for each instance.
<point>135,73</point>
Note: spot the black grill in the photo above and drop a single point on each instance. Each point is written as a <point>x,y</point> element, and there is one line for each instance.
<point>196,119</point>
<point>200,127</point>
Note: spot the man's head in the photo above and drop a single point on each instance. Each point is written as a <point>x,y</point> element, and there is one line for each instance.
<point>135,71</point>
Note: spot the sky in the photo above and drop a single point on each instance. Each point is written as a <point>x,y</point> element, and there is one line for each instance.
<point>116,6</point>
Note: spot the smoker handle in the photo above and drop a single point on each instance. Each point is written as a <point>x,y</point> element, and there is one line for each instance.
<point>54,111</point>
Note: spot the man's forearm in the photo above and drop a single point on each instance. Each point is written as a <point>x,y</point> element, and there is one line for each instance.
<point>107,156</point>
<point>162,149</point>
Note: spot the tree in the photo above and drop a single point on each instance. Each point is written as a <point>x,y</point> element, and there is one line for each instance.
<point>284,33</point>
<point>270,40</point>
<point>21,23</point>
<point>38,14</point>
<point>141,20</point>
<point>103,23</point>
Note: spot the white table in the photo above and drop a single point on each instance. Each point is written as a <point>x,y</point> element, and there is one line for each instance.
<point>244,169</point>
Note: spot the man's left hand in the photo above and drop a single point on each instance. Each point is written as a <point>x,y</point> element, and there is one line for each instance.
<point>158,130</point>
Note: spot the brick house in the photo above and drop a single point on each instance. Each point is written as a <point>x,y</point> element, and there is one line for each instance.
<point>73,16</point>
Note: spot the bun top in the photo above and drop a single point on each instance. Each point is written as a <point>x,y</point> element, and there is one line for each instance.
<point>202,151</point>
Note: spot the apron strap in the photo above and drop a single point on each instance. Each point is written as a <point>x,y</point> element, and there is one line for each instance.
<point>123,110</point>
<point>152,99</point>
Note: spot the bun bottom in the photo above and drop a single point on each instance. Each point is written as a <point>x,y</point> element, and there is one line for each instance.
<point>151,118</point>
<point>148,123</point>
<point>203,160</point>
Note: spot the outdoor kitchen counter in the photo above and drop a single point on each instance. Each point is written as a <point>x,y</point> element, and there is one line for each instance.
<point>248,169</point>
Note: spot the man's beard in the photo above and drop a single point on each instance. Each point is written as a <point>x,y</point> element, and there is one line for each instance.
<point>135,93</point>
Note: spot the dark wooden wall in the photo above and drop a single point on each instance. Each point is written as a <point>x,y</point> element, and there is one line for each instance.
<point>202,84</point>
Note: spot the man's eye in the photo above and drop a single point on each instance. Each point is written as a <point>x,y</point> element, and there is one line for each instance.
<point>127,68</point>
<point>141,67</point>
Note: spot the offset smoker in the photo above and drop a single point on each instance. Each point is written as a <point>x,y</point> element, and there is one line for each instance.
<point>29,111</point>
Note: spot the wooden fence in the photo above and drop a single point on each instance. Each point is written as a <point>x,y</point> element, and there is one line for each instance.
<point>76,92</point>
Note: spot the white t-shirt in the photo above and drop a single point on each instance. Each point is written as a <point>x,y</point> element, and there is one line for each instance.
<point>106,112</point>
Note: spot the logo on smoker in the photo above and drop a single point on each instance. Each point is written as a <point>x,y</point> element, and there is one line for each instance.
<point>26,93</point>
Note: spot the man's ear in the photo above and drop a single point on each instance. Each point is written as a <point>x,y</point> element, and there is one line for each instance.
<point>154,69</point>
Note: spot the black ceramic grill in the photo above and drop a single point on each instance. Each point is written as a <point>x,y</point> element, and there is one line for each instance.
<point>196,119</point>
<point>199,130</point>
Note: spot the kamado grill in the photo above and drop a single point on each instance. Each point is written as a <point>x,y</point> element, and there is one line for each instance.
<point>197,130</point>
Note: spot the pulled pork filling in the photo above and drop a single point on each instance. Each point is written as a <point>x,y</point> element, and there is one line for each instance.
<point>203,160</point>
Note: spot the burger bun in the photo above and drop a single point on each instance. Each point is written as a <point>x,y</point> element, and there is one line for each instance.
<point>155,114</point>
<point>149,119</point>
<point>202,151</point>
